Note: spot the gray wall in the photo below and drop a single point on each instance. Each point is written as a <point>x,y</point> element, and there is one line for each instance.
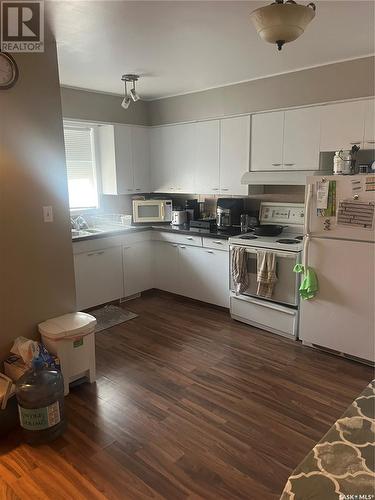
<point>36,261</point>
<point>95,106</point>
<point>326,83</point>
<point>333,82</point>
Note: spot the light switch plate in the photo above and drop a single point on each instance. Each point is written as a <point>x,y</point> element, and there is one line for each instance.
<point>48,214</point>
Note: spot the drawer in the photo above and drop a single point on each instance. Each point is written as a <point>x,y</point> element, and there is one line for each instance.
<point>218,244</point>
<point>265,315</point>
<point>181,239</point>
<point>96,244</point>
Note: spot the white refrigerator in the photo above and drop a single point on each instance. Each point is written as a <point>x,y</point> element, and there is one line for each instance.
<point>339,246</point>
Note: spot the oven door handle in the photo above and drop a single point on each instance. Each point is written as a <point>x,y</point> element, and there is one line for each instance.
<point>265,303</point>
<point>286,255</point>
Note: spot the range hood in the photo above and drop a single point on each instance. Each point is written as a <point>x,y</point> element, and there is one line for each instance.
<point>280,177</point>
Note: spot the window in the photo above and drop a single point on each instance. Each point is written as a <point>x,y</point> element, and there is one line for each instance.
<point>80,163</point>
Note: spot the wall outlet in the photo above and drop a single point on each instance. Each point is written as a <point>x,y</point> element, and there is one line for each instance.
<point>47,214</point>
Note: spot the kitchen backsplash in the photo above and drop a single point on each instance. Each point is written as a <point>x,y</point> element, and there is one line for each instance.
<point>291,194</point>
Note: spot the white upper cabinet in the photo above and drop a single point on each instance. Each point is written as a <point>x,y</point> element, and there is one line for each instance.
<point>116,159</point>
<point>206,157</point>
<point>158,165</point>
<point>342,125</point>
<point>181,157</point>
<point>173,158</point>
<point>124,159</point>
<point>234,154</point>
<point>301,139</point>
<point>267,137</point>
<point>369,138</point>
<point>141,159</point>
<point>207,143</point>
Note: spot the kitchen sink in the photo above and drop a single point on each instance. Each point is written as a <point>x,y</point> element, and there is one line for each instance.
<point>84,232</point>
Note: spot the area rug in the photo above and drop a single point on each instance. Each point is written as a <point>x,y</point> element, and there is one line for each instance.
<point>341,466</point>
<point>109,316</point>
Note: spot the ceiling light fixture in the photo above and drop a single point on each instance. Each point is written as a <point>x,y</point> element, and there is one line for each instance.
<point>129,78</point>
<point>281,22</point>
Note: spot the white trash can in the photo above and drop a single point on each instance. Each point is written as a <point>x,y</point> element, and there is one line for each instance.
<point>71,338</point>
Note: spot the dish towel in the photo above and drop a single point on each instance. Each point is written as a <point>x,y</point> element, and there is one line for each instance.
<point>309,285</point>
<point>266,273</point>
<point>239,269</point>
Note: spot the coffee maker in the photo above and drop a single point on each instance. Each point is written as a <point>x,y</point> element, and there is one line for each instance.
<point>228,212</point>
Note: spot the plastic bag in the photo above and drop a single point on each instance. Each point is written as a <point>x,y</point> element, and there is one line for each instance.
<point>33,352</point>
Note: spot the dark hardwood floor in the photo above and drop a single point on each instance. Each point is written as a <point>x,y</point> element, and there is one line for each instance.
<point>187,404</point>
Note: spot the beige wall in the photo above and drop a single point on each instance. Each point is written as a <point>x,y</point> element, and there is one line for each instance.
<point>326,83</point>
<point>95,106</point>
<point>36,262</point>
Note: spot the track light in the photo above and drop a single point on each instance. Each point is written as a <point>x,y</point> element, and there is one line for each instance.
<point>132,93</point>
<point>126,102</point>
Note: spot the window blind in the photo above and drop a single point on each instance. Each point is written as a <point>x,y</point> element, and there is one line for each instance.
<point>78,151</point>
<point>80,163</point>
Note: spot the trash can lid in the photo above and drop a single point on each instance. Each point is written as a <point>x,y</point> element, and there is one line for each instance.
<point>69,325</point>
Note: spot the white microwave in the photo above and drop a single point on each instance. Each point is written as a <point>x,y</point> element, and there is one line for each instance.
<point>152,210</point>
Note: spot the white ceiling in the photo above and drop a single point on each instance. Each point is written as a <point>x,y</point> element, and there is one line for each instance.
<point>186,46</point>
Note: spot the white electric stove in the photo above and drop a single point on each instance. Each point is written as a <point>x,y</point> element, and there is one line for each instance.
<point>278,314</point>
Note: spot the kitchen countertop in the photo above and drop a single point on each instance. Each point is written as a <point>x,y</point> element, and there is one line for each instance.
<point>195,231</point>
<point>185,229</point>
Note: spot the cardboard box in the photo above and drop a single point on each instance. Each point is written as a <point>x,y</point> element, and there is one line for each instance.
<point>14,367</point>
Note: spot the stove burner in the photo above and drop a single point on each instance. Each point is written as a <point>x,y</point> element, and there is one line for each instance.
<point>287,241</point>
<point>299,238</point>
<point>249,237</point>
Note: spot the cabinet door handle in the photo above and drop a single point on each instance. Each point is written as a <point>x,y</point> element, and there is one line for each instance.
<point>137,189</point>
<point>209,251</point>
<point>276,164</point>
<point>95,253</point>
<point>215,189</point>
<point>129,189</point>
<point>182,246</point>
<point>174,245</point>
<point>370,142</point>
<point>224,189</point>
<point>355,142</point>
<point>289,164</point>
<point>218,242</point>
<point>189,238</point>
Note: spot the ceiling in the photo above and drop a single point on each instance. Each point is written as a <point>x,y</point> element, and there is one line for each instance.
<point>186,46</point>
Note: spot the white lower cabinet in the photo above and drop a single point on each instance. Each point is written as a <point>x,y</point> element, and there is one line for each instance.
<point>196,272</point>
<point>215,276</point>
<point>137,267</point>
<point>165,266</point>
<point>98,276</point>
<point>190,264</point>
<point>104,273</point>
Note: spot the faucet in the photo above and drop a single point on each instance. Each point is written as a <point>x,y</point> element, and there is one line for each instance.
<point>78,223</point>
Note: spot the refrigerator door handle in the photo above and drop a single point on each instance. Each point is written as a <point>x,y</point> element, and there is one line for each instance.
<point>305,253</point>
<point>309,196</point>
